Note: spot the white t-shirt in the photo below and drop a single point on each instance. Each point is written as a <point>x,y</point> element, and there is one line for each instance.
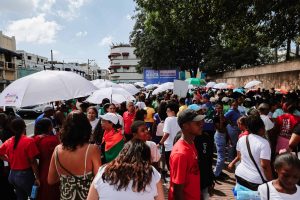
<point>275,195</point>
<point>155,154</point>
<point>94,123</point>
<point>268,123</point>
<point>260,149</point>
<point>109,192</point>
<point>172,128</point>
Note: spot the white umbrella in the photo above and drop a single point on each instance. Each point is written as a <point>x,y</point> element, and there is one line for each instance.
<point>252,84</point>
<point>140,84</point>
<point>97,81</point>
<point>210,84</point>
<point>151,86</point>
<point>45,86</point>
<point>164,87</point>
<point>116,95</point>
<point>221,86</point>
<point>105,84</point>
<point>130,88</point>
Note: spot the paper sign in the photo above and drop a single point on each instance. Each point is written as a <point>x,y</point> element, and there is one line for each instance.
<point>180,88</point>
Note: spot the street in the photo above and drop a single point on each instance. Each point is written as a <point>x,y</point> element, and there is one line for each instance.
<point>29,126</point>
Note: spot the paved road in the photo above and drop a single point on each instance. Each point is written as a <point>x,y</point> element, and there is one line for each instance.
<point>29,126</point>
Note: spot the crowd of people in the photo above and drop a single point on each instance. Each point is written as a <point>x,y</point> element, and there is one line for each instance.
<point>129,150</point>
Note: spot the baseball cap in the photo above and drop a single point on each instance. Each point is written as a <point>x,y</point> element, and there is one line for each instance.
<point>189,115</point>
<point>225,99</point>
<point>110,117</point>
<point>48,108</point>
<point>194,107</point>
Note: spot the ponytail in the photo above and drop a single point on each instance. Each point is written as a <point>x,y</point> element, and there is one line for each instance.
<point>18,127</point>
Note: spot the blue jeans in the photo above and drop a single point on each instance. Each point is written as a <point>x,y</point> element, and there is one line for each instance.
<point>23,181</point>
<point>220,141</point>
<point>233,132</point>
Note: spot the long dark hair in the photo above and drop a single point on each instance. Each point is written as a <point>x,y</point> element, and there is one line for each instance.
<point>132,164</point>
<point>18,128</point>
<point>76,131</point>
<point>97,134</point>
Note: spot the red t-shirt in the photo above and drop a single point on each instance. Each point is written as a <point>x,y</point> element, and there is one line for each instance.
<point>128,120</point>
<point>286,123</point>
<point>19,158</point>
<point>184,169</point>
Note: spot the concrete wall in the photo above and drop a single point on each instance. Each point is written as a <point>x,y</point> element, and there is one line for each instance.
<point>7,42</point>
<point>284,75</point>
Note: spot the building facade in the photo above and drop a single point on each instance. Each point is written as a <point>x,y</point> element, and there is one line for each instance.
<point>123,64</point>
<point>8,57</point>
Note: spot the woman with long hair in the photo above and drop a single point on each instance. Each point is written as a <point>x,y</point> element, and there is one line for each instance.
<point>46,143</point>
<point>21,152</point>
<point>74,162</point>
<point>92,115</point>
<point>129,176</point>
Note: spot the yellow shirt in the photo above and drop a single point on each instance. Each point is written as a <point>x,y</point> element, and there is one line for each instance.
<point>182,108</point>
<point>150,114</point>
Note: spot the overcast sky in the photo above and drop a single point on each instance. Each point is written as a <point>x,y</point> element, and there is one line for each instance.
<point>76,30</point>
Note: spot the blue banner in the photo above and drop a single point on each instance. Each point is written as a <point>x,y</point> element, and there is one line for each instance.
<point>160,76</point>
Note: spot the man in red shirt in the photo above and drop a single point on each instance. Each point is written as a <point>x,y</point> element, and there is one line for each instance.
<point>128,118</point>
<point>184,169</point>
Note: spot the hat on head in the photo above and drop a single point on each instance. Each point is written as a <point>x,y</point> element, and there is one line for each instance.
<point>225,99</point>
<point>47,108</point>
<point>213,99</point>
<point>189,115</point>
<point>194,107</point>
<point>110,117</point>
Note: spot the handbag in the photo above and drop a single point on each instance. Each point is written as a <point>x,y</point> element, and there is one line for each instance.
<point>261,176</point>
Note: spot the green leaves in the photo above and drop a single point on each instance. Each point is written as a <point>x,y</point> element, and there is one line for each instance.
<point>215,35</point>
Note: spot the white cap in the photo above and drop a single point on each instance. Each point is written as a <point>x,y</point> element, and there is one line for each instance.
<point>110,117</point>
<point>225,99</point>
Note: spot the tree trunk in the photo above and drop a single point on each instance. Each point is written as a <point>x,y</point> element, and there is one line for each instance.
<point>288,49</point>
<point>297,50</point>
<point>276,55</point>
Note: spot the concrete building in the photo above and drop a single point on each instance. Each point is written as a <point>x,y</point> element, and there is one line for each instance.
<point>30,60</point>
<point>29,63</point>
<point>123,64</point>
<point>8,57</point>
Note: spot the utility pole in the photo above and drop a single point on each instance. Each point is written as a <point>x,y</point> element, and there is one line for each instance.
<point>52,67</point>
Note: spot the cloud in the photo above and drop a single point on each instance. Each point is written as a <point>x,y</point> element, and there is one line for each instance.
<point>17,5</point>
<point>81,34</point>
<point>106,41</point>
<point>72,10</point>
<point>46,5</point>
<point>66,9</point>
<point>34,30</point>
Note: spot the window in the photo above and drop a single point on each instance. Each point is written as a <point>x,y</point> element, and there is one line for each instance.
<point>29,57</point>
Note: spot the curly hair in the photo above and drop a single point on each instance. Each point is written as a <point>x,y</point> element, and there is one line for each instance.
<point>76,130</point>
<point>132,164</point>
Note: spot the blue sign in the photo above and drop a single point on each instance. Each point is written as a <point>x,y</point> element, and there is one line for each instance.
<point>160,76</point>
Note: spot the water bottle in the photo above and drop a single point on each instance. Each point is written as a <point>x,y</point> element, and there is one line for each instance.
<point>34,192</point>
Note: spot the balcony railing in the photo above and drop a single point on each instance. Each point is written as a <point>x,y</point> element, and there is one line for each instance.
<point>7,66</point>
